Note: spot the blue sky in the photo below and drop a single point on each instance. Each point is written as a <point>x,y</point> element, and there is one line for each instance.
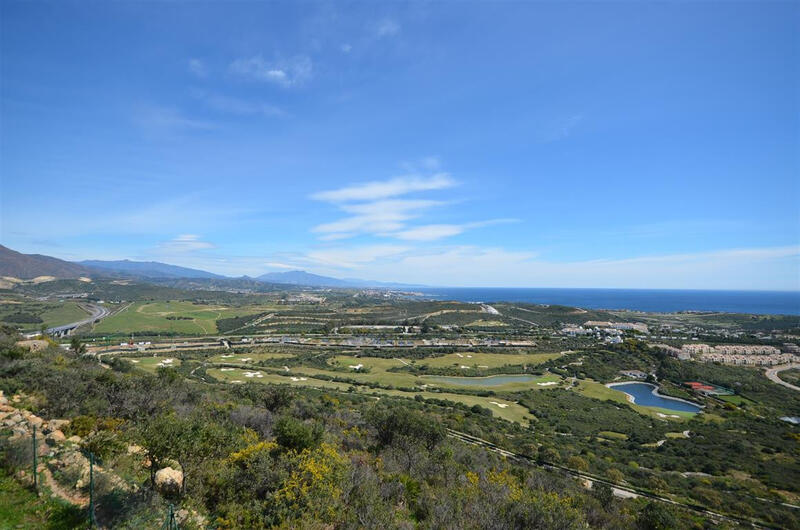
<point>451,143</point>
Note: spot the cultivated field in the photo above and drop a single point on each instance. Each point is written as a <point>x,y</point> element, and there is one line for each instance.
<point>173,316</point>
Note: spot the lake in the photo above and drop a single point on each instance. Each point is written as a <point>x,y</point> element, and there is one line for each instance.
<point>492,380</point>
<point>644,394</point>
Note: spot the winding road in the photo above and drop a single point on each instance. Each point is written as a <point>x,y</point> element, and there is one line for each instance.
<point>97,312</point>
<point>772,374</point>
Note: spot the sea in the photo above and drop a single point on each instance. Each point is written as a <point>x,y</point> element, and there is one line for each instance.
<point>650,300</point>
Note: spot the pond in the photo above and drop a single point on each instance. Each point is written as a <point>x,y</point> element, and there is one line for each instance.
<point>492,380</point>
<point>647,395</point>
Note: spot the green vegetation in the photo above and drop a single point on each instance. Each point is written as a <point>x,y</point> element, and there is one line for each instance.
<point>333,426</point>
<point>21,508</point>
<point>33,315</point>
<point>170,317</point>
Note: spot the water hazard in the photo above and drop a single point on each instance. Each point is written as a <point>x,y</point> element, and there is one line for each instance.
<point>644,394</point>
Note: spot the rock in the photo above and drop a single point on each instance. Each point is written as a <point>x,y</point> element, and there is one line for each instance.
<point>134,449</point>
<point>42,448</point>
<point>3,400</point>
<point>16,418</point>
<point>169,481</point>
<point>35,420</point>
<point>55,437</point>
<point>56,425</point>
<point>18,432</point>
<point>75,439</point>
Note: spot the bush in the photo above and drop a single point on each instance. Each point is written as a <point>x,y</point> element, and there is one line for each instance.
<point>294,434</point>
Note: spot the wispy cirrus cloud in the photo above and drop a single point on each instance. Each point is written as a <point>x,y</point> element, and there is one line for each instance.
<point>158,119</point>
<point>238,106</point>
<point>434,232</point>
<point>379,217</point>
<point>370,191</point>
<point>559,128</point>
<point>386,27</point>
<point>185,243</point>
<point>197,68</point>
<point>376,207</point>
<point>354,257</point>
<point>284,72</point>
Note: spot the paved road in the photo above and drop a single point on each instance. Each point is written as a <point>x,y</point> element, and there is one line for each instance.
<point>97,312</point>
<point>772,374</point>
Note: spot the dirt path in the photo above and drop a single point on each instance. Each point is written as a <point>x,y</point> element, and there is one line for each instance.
<point>60,492</point>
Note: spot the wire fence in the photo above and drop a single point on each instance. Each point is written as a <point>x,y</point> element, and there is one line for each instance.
<point>141,520</point>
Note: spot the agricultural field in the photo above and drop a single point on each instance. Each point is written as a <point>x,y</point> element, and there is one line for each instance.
<point>29,315</point>
<point>179,317</point>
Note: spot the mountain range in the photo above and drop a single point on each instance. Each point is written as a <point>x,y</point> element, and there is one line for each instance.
<point>148,269</point>
<point>29,266</point>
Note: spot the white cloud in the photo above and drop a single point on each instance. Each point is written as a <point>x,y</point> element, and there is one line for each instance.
<point>370,191</point>
<point>198,68</point>
<point>239,106</point>
<point>185,243</point>
<point>346,48</point>
<point>753,268</point>
<point>276,265</point>
<point>386,28</point>
<point>285,72</point>
<point>353,257</point>
<point>439,231</point>
<point>376,217</point>
<point>560,128</point>
<point>376,210</point>
<point>430,232</point>
<point>159,119</point>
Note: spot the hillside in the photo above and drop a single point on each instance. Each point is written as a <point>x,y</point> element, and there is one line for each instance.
<point>149,269</point>
<point>27,266</point>
<point>302,278</point>
<point>315,280</point>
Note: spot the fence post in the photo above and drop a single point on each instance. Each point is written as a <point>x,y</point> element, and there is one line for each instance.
<point>35,464</point>
<point>92,520</point>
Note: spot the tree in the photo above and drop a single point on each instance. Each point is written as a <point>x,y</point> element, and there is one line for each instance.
<point>190,441</point>
<point>77,346</point>
<point>294,434</point>
<point>656,516</point>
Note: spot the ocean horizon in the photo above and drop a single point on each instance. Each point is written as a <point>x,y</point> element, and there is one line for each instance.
<point>648,300</point>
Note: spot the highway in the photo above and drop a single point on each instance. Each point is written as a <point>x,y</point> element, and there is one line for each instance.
<point>97,312</point>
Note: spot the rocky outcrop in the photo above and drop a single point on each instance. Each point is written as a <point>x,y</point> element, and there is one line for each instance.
<point>55,437</point>
<point>169,481</point>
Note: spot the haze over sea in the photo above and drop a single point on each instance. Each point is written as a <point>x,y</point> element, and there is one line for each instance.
<point>651,300</point>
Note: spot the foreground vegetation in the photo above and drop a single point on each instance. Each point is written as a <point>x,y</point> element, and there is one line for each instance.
<point>341,420</point>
